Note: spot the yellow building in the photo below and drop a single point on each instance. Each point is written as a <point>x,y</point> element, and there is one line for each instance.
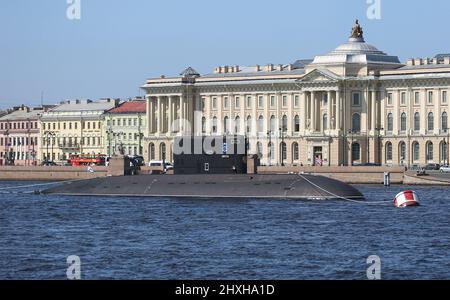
<point>73,127</point>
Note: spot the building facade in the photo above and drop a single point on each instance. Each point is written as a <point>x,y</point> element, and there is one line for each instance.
<point>74,127</point>
<point>19,136</point>
<point>354,105</point>
<point>124,128</point>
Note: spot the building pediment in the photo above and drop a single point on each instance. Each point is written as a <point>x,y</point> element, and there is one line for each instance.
<point>320,75</point>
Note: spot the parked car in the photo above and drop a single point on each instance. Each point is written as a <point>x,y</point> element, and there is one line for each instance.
<point>137,160</point>
<point>158,163</point>
<point>445,169</point>
<point>432,167</point>
<point>49,164</point>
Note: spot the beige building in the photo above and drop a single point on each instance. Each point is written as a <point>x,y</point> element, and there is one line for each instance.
<point>73,127</point>
<point>354,105</point>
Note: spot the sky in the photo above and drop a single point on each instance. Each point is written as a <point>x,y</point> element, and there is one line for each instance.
<point>116,45</point>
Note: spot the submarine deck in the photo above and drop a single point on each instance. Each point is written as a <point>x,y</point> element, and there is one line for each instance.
<point>211,186</point>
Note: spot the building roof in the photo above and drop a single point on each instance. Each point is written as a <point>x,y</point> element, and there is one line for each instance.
<point>85,105</point>
<point>130,107</point>
<point>22,113</point>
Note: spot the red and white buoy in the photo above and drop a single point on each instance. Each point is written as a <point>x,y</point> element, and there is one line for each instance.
<point>406,199</point>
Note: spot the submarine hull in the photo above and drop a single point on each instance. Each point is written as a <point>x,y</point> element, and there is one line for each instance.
<point>308,187</point>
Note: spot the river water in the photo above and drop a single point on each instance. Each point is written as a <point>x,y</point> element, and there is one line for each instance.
<point>123,238</point>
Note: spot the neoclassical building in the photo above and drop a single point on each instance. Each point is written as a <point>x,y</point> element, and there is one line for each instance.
<point>354,105</point>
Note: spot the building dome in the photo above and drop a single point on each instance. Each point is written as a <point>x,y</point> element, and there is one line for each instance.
<point>356,51</point>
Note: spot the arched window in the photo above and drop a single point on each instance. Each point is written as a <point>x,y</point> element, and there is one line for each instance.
<point>444,152</point>
<point>388,151</point>
<point>248,126</point>
<point>402,152</point>
<point>237,125</point>
<point>214,125</point>
<point>162,151</point>
<point>203,125</point>
<point>283,150</point>
<point>430,153</point>
<point>403,122</point>
<point>416,151</point>
<point>271,153</point>
<point>226,125</point>
<point>390,122</point>
<point>356,123</point>
<point>356,152</point>
<point>273,124</point>
<point>295,152</point>
<point>416,121</point>
<point>284,123</point>
<point>259,150</point>
<point>261,124</point>
<point>297,123</point>
<point>444,121</point>
<point>430,121</point>
<point>325,122</point>
<point>151,151</point>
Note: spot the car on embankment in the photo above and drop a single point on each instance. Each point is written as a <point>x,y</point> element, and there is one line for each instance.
<point>445,169</point>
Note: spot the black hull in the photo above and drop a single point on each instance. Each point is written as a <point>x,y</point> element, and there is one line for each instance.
<point>306,187</point>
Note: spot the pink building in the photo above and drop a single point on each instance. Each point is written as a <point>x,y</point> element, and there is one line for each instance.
<point>19,136</point>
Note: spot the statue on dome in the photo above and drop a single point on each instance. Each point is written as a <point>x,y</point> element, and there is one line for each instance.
<point>357,31</point>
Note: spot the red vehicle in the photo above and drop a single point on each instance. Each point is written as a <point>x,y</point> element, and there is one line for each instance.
<point>86,160</point>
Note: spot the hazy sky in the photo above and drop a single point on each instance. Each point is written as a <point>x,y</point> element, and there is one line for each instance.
<point>117,44</point>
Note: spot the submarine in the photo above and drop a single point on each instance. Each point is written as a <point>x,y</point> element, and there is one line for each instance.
<point>221,170</point>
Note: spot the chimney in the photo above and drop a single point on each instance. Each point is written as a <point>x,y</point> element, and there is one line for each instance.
<point>290,67</point>
<point>418,62</point>
<point>447,60</point>
<point>410,62</point>
<point>435,61</point>
<point>258,68</point>
<point>237,69</point>
<point>426,61</point>
<point>269,68</point>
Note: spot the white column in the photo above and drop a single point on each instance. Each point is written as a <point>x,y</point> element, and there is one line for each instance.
<point>373,114</point>
<point>338,110</point>
<point>437,112</point>
<point>303,112</point>
<point>423,111</point>
<point>396,115</point>
<point>313,111</point>
<point>159,116</point>
<point>329,111</point>
<point>180,120</point>
<point>219,115</point>
<point>169,129</point>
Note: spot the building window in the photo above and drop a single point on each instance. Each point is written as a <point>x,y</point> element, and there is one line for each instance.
<point>202,103</point>
<point>249,102</point>
<point>444,152</point>
<point>417,98</point>
<point>261,124</point>
<point>271,151</point>
<point>402,153</point>
<point>214,103</point>
<point>295,152</point>
<point>356,152</point>
<point>237,125</point>
<point>403,122</point>
<point>430,97</point>
<point>296,101</point>
<point>203,125</point>
<point>390,122</point>
<point>226,125</point>
<point>214,125</point>
<point>430,121</point>
<point>389,152</point>
<point>356,123</point>
<point>225,102</point>
<point>403,98</point>
<point>248,126</point>
<point>237,103</point>
<point>416,121</point>
<point>444,97</point>
<point>273,127</point>
<point>297,123</point>
<point>272,101</point>
<point>260,102</point>
<point>163,151</point>
<point>283,151</point>
<point>284,123</point>
<point>325,99</point>
<point>151,150</point>
<point>284,101</point>
<point>356,99</point>
<point>430,151</point>
<point>325,122</point>
<point>444,121</point>
<point>390,99</point>
<point>259,151</point>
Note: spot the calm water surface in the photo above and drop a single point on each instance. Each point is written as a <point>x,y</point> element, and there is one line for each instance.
<point>122,238</point>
